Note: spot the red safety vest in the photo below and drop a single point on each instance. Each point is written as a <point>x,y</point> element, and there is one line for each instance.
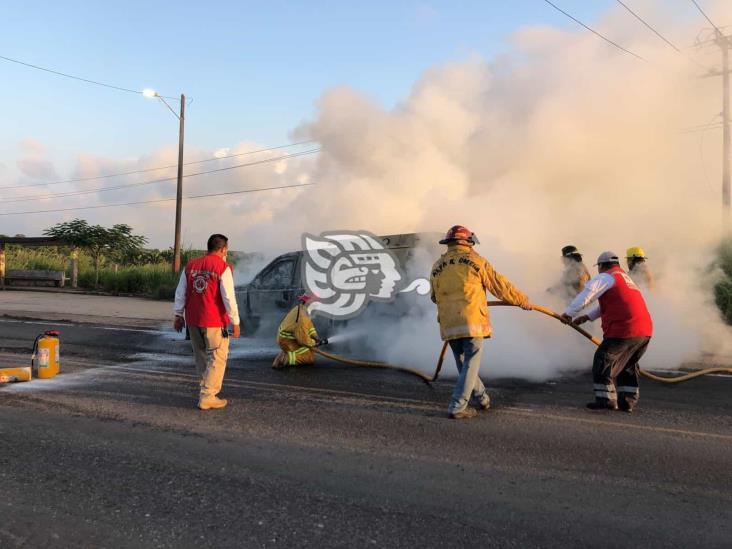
<point>624,311</point>
<point>204,305</point>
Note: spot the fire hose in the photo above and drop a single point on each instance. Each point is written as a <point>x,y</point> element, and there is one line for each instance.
<point>370,364</point>
<point>549,312</point>
<point>538,308</point>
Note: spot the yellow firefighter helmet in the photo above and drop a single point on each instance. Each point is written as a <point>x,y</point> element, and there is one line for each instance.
<point>636,252</point>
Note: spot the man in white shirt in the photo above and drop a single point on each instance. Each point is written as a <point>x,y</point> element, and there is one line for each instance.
<point>205,301</point>
<point>627,328</point>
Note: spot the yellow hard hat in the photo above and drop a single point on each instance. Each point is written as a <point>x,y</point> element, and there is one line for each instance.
<point>636,251</point>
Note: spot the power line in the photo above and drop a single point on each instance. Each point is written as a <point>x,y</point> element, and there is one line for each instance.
<point>154,181</point>
<point>702,128</point>
<point>146,170</point>
<point>79,78</point>
<point>639,18</point>
<point>706,16</point>
<point>160,200</point>
<point>593,31</point>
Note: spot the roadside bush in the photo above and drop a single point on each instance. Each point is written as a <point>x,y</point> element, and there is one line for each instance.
<point>723,289</point>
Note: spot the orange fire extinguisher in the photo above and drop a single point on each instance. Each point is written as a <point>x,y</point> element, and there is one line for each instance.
<point>46,360</point>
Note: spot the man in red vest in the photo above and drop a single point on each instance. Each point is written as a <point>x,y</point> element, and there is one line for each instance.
<point>627,328</point>
<point>205,302</point>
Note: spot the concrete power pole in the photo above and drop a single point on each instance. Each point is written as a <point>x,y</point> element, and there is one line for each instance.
<point>179,191</point>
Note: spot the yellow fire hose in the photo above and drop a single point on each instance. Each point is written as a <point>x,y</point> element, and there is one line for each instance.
<point>369,364</point>
<point>644,373</point>
<point>538,308</point>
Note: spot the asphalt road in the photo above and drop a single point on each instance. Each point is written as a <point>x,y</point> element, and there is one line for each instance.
<point>113,453</point>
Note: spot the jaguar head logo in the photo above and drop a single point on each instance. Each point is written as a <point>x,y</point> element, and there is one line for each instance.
<point>347,270</point>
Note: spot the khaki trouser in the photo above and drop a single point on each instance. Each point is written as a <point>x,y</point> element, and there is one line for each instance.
<point>210,350</point>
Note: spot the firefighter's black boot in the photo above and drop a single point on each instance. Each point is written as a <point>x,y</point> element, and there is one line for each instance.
<point>603,404</point>
<point>625,406</point>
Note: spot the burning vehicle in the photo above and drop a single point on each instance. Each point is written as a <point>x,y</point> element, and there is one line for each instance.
<point>273,291</point>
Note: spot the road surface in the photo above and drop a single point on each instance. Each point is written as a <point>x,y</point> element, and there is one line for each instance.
<point>113,453</point>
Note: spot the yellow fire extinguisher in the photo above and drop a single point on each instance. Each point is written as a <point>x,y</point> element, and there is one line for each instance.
<point>46,360</point>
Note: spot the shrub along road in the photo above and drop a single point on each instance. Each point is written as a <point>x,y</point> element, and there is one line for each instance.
<point>113,454</point>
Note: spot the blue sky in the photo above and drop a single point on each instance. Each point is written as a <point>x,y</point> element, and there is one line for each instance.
<point>254,69</point>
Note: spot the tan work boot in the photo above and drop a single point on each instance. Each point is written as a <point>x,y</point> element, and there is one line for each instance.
<point>212,403</point>
<point>466,413</point>
<point>280,361</point>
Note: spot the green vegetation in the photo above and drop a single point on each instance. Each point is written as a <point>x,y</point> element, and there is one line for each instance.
<point>148,273</point>
<point>723,288</point>
<point>116,243</point>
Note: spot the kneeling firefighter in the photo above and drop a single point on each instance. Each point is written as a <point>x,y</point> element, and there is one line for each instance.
<point>296,336</point>
<point>459,282</point>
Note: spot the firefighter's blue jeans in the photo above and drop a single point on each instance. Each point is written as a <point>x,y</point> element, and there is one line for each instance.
<point>467,353</point>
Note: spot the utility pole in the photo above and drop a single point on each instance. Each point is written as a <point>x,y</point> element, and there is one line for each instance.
<point>723,43</point>
<point>179,190</point>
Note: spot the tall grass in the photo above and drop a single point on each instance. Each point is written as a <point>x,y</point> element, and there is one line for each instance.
<point>151,279</point>
<point>156,280</point>
<point>35,258</point>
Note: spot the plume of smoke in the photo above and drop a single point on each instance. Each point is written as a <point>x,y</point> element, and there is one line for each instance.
<point>563,140</point>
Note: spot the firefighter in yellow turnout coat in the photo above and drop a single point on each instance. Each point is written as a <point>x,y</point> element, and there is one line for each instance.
<point>459,282</point>
<point>296,336</point>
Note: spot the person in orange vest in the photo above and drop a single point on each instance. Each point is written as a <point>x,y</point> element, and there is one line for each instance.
<point>460,279</point>
<point>297,336</point>
<point>206,303</point>
<point>627,329</point>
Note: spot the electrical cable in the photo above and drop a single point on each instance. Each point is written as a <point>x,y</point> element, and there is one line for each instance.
<point>702,128</point>
<point>648,25</point>
<point>657,33</point>
<point>157,201</point>
<point>27,198</point>
<point>593,31</point>
<point>66,75</point>
<point>706,16</point>
<point>146,170</point>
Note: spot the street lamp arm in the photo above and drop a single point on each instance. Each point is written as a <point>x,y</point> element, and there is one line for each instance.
<point>167,105</point>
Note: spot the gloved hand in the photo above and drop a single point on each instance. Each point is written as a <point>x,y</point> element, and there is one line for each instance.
<point>581,320</point>
<point>565,318</point>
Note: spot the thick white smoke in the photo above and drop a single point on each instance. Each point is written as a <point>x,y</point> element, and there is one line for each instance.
<point>564,140</point>
<point>560,140</point>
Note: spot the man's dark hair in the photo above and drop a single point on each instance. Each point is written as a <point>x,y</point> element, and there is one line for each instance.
<point>216,242</point>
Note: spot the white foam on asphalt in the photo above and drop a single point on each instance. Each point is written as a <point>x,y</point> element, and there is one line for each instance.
<point>61,381</point>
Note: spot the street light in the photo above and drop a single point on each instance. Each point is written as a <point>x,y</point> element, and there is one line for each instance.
<point>179,192</point>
